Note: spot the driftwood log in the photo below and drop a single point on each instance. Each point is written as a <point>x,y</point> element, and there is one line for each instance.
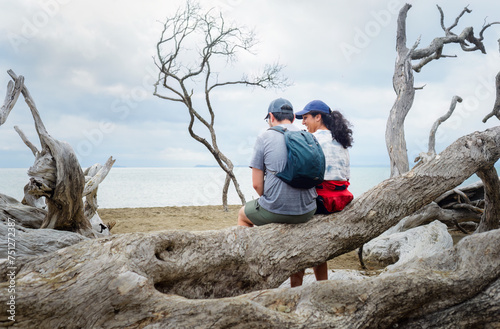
<point>391,249</point>
<point>176,279</point>
<point>94,175</point>
<point>57,176</point>
<point>23,215</point>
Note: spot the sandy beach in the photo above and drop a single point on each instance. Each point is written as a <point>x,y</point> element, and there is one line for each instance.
<point>193,218</point>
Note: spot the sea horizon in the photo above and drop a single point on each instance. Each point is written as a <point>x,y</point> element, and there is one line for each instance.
<point>139,187</point>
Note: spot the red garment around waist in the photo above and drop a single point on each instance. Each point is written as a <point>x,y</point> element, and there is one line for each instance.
<point>334,197</point>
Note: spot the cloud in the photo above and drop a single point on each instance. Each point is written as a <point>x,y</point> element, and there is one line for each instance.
<point>89,67</point>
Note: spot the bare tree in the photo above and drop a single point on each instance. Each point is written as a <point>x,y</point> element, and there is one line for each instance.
<point>215,42</point>
<point>403,80</point>
<point>455,206</point>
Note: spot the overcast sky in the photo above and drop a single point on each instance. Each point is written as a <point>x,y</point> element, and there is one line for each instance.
<point>89,67</point>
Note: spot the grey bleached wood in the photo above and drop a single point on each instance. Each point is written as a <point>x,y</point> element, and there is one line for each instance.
<point>123,285</point>
<point>35,242</point>
<point>139,279</point>
<point>491,216</point>
<point>56,175</point>
<point>401,247</point>
<point>431,153</point>
<point>94,175</point>
<point>496,106</point>
<point>31,199</point>
<point>26,141</point>
<point>403,78</point>
<point>30,240</point>
<point>12,94</point>
<point>23,215</point>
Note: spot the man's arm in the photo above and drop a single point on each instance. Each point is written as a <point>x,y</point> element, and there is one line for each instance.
<point>258,180</point>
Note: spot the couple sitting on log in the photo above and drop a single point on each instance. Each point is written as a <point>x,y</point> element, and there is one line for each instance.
<point>298,174</point>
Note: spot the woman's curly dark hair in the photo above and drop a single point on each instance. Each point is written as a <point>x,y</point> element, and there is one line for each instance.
<point>338,125</point>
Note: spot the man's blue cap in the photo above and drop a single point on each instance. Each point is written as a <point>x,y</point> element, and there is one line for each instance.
<point>315,105</point>
<point>279,105</point>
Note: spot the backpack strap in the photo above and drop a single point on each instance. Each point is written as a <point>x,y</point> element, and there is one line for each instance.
<point>279,129</point>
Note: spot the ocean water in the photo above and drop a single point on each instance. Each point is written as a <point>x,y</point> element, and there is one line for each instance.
<point>160,187</point>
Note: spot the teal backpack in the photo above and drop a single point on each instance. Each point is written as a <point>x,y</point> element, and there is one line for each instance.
<point>305,166</point>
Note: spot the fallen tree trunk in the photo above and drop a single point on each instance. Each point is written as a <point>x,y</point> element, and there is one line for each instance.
<point>29,239</point>
<point>97,295</point>
<point>139,279</point>
<point>35,242</point>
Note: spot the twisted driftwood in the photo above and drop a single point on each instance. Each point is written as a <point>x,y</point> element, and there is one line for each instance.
<point>57,176</point>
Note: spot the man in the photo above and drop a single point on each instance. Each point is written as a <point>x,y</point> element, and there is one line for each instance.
<point>278,202</point>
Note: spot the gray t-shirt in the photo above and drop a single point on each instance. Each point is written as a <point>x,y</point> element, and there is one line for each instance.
<point>270,155</point>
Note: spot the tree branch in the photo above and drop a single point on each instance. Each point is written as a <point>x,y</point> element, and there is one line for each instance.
<point>435,49</point>
<point>431,153</point>
<point>26,141</point>
<point>491,215</point>
<point>11,96</point>
<point>40,127</point>
<point>447,30</point>
<point>496,106</point>
<point>98,177</point>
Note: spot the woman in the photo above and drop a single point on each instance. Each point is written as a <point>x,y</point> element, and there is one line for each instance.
<point>332,131</point>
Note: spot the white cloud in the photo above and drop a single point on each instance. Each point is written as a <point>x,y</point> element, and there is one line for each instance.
<point>88,64</point>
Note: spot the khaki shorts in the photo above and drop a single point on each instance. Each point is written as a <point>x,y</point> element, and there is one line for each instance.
<point>260,216</point>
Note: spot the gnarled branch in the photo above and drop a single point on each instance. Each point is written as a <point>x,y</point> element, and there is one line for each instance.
<point>491,215</point>
<point>496,106</point>
<point>12,94</point>
<point>431,153</point>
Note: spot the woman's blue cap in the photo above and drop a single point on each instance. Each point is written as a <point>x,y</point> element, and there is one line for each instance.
<point>315,105</point>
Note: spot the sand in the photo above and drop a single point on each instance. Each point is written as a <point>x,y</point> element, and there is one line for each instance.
<point>193,218</point>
